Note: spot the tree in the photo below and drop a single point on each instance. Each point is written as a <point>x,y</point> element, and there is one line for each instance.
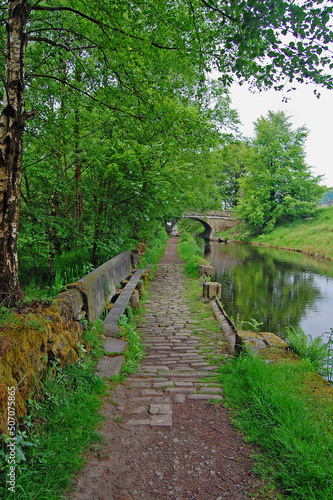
<point>278,185</point>
<point>141,50</point>
<point>232,161</point>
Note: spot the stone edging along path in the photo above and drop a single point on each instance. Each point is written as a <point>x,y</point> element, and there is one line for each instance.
<point>163,435</point>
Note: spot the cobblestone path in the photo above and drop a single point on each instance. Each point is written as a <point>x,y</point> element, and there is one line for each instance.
<point>174,362</point>
<point>164,438</point>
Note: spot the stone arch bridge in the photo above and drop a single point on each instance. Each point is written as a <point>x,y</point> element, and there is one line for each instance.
<point>213,222</point>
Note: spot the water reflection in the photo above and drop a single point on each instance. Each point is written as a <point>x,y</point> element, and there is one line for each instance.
<point>277,287</point>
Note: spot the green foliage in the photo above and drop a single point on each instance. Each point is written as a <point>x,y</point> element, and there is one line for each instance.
<point>135,353</point>
<point>125,117</point>
<point>278,185</point>
<point>190,252</point>
<point>233,161</point>
<point>313,350</point>
<point>155,248</point>
<point>269,405</point>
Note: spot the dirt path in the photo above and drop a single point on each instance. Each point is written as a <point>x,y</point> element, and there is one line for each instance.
<point>164,438</point>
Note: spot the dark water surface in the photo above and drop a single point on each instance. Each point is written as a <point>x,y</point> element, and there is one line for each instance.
<point>276,287</point>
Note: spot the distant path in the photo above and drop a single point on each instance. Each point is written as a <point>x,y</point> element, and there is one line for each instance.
<point>164,439</point>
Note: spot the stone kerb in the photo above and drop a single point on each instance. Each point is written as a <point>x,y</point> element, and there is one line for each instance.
<point>89,295</point>
<point>101,283</point>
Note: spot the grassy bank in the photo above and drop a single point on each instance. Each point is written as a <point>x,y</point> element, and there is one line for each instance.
<point>311,236</point>
<point>283,407</point>
<point>190,253</point>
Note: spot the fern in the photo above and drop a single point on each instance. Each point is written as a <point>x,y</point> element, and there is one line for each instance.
<point>313,350</point>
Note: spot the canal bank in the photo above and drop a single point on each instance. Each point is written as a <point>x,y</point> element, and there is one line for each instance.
<point>286,408</point>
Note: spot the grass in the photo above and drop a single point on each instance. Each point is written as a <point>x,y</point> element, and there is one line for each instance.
<point>190,252</point>
<point>135,354</point>
<point>155,249</point>
<point>312,236</point>
<point>271,405</point>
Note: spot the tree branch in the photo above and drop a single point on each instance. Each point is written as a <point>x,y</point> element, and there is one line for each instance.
<point>100,24</point>
<point>215,9</point>
<point>61,80</point>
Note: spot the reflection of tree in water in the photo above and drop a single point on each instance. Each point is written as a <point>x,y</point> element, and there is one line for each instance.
<point>224,257</point>
<point>267,289</point>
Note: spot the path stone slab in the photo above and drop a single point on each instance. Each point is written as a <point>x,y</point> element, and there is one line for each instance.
<point>156,385</point>
<point>179,398</point>
<point>161,420</point>
<point>109,366</point>
<point>160,409</point>
<point>142,421</point>
<point>150,392</point>
<point>113,345</point>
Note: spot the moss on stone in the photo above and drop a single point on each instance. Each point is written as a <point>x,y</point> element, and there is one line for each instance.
<point>26,347</point>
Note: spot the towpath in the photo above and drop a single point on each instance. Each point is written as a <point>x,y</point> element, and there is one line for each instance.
<point>164,437</point>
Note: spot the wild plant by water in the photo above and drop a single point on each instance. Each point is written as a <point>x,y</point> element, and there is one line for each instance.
<point>329,360</point>
<point>315,350</point>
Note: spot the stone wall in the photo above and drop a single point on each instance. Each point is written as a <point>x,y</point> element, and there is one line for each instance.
<point>30,340</point>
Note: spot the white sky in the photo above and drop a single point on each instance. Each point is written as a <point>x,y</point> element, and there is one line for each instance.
<point>304,108</point>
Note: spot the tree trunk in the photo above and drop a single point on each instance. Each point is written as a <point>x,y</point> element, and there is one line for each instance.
<point>12,121</point>
<point>78,178</point>
<point>98,222</point>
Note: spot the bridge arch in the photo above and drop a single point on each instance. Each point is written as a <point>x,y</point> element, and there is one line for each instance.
<point>213,221</point>
<point>208,228</point>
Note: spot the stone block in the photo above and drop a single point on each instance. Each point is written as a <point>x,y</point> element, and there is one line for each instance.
<point>160,409</point>
<point>162,420</point>
<point>206,269</point>
<point>255,341</point>
<point>109,366</point>
<point>179,398</point>
<point>101,283</point>
<point>135,299</point>
<point>113,345</point>
<point>211,289</point>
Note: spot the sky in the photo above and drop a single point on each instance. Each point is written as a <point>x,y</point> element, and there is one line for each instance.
<point>303,108</point>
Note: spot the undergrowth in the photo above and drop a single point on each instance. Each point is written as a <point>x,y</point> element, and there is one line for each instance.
<point>190,252</point>
<point>319,353</point>
<point>155,249</point>
<point>135,353</point>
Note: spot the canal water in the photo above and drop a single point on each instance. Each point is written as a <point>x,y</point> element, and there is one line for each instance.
<point>276,287</point>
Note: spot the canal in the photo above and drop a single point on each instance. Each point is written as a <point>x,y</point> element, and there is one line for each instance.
<point>276,287</point>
